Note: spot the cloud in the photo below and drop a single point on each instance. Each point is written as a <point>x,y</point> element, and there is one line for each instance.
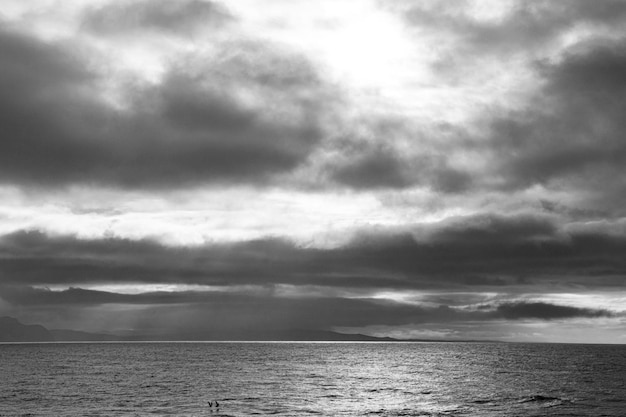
<point>471,148</point>
<point>204,119</point>
<point>492,229</point>
<point>273,284</point>
<point>558,124</point>
<point>45,110</point>
<point>207,315</point>
<point>206,122</point>
<point>385,152</point>
<point>383,168</point>
<point>512,27</point>
<point>179,17</point>
<point>572,138</point>
<point>227,310</point>
<point>471,253</point>
<point>379,169</point>
<point>545,311</point>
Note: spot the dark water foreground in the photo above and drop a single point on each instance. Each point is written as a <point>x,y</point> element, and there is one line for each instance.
<point>316,379</point>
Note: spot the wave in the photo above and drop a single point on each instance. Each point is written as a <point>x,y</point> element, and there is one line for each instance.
<point>482,401</point>
<point>539,399</point>
<point>384,390</point>
<point>545,401</point>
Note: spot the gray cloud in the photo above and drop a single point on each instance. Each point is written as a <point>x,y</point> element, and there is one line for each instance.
<point>207,315</point>
<point>234,310</point>
<point>380,154</point>
<point>191,129</point>
<point>195,128</point>
<point>545,311</point>
<point>237,109</point>
<point>569,136</point>
<point>573,137</point>
<point>177,17</point>
<point>385,169</point>
<point>379,169</point>
<point>471,253</point>
<point>274,285</point>
<point>495,230</point>
<point>42,90</point>
<point>527,25</point>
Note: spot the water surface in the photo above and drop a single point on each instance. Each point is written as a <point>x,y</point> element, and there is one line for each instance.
<point>319,379</point>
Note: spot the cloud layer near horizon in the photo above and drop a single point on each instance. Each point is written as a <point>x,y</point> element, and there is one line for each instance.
<point>329,156</point>
<point>459,253</point>
<point>470,269</point>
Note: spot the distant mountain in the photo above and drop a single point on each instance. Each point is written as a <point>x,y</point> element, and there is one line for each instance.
<point>278,335</point>
<point>62,335</point>
<point>324,335</point>
<point>12,330</point>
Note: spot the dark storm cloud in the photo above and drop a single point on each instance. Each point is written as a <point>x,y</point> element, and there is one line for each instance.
<point>190,129</point>
<point>574,136</point>
<point>171,17</point>
<point>42,88</point>
<point>545,311</point>
<point>36,258</point>
<point>469,253</point>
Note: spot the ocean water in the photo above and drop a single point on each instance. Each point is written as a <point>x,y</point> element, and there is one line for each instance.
<point>312,379</point>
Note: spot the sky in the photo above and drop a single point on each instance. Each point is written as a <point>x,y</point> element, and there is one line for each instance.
<point>413,169</point>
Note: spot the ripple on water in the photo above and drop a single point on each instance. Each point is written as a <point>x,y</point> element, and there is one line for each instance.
<point>426,379</point>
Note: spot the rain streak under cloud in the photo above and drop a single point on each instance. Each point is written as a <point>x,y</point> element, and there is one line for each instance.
<point>409,169</point>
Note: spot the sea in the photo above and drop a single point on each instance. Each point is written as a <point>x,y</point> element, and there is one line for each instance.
<point>312,379</point>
